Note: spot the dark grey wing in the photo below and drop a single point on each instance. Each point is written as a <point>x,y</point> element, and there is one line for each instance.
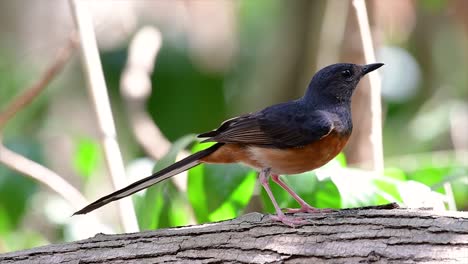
<point>243,129</point>
<point>299,131</point>
<point>226,125</point>
<point>274,127</point>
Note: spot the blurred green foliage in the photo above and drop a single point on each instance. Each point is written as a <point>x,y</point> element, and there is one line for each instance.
<point>192,99</point>
<point>16,192</point>
<point>14,78</point>
<point>87,157</point>
<point>161,204</point>
<point>219,192</point>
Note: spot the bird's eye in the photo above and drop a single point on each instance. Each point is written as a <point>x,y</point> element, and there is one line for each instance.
<point>346,73</point>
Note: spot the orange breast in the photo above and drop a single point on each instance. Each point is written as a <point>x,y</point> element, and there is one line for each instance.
<point>298,160</point>
<point>281,161</point>
<point>232,153</point>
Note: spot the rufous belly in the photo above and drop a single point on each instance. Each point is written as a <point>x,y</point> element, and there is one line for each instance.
<point>282,161</point>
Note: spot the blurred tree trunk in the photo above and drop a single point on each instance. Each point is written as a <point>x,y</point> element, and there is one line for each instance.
<point>359,149</point>
<point>346,236</point>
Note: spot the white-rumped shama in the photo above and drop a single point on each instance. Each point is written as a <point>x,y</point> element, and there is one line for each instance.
<point>286,138</point>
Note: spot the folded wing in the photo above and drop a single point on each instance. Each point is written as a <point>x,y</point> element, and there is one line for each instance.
<point>273,128</point>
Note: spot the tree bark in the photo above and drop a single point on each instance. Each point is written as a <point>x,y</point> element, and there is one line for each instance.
<point>345,236</point>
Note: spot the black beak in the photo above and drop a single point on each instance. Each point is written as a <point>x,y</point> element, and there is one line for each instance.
<point>371,67</point>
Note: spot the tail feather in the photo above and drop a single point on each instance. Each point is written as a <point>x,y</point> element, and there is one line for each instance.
<point>174,169</point>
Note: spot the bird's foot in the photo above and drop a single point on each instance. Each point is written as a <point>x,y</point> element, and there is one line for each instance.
<point>288,220</point>
<point>308,209</point>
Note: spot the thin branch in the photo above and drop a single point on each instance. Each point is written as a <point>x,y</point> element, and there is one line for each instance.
<point>42,174</point>
<point>32,92</point>
<point>375,86</point>
<point>20,163</point>
<point>450,198</point>
<point>135,87</point>
<point>98,92</point>
<point>45,176</point>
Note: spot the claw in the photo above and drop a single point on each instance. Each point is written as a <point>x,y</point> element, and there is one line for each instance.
<point>305,207</point>
<point>308,209</point>
<point>280,217</point>
<point>288,220</point>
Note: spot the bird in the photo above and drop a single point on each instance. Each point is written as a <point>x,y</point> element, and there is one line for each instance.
<point>287,138</point>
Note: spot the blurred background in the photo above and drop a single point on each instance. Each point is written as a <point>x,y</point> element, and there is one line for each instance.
<point>219,59</point>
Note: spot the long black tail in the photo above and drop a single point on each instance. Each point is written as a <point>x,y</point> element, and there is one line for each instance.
<point>174,169</point>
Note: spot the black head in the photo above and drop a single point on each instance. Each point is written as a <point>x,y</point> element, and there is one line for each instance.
<point>337,82</point>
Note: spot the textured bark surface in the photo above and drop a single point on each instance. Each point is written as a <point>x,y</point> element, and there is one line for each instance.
<point>346,236</point>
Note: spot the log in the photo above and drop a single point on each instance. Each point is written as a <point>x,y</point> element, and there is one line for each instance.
<point>344,236</point>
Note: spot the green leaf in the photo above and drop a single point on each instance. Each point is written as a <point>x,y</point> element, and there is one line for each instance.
<point>153,209</point>
<point>327,195</point>
<point>179,207</point>
<point>387,191</point>
<point>170,206</point>
<point>220,181</point>
<point>430,176</point>
<point>87,156</point>
<point>149,207</point>
<point>196,193</point>
<point>15,189</point>
<point>218,192</point>
<point>460,191</point>
<point>341,158</point>
<point>5,223</point>
<point>22,239</point>
<point>355,186</point>
<point>238,200</point>
<point>195,187</point>
<point>320,194</point>
<point>395,173</point>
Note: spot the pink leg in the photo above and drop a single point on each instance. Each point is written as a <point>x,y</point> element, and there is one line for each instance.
<point>305,207</point>
<point>264,174</point>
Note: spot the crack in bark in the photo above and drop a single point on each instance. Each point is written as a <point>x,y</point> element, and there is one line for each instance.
<point>367,236</point>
